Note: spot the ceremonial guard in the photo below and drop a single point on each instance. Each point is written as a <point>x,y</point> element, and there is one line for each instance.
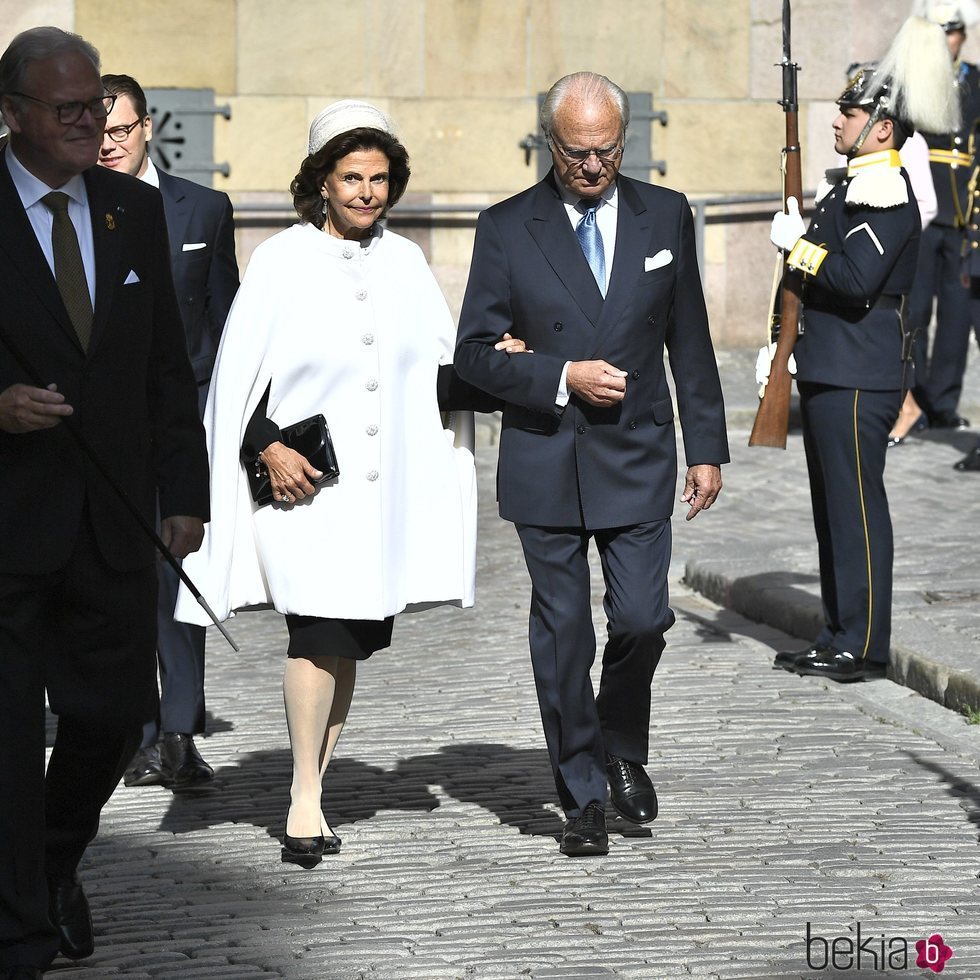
<point>856,262</point>
<point>939,375</point>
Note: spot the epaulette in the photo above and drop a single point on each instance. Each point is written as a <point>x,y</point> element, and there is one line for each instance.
<point>832,178</point>
<point>876,181</point>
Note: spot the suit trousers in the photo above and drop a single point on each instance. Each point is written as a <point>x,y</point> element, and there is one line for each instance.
<point>86,634</point>
<point>180,653</point>
<point>580,726</point>
<point>939,375</point>
<point>845,434</point>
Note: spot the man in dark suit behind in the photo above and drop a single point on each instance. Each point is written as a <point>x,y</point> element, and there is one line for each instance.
<point>89,302</point>
<point>202,252</point>
<point>587,449</point>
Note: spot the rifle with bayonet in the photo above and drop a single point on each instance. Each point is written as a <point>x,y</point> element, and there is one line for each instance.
<point>772,418</point>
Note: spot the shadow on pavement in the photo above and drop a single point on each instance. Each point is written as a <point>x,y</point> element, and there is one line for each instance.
<point>513,784</point>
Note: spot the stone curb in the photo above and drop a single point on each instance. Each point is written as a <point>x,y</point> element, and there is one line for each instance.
<point>766,598</point>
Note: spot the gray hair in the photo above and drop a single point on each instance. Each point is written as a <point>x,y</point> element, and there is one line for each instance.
<point>588,87</point>
<point>37,44</point>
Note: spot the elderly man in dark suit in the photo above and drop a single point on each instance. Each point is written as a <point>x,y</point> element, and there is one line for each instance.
<point>89,304</point>
<point>202,252</point>
<point>598,274</point>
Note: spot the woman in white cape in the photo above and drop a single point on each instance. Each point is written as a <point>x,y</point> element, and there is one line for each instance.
<point>341,317</point>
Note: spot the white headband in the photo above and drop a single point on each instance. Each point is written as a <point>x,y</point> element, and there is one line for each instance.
<point>341,117</point>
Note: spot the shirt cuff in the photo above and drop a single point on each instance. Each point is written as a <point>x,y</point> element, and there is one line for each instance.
<point>561,399</point>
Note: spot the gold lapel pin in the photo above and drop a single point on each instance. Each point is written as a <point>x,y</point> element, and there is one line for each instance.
<point>110,222</point>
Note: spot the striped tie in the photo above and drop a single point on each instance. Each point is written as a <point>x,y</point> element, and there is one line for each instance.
<point>69,272</point>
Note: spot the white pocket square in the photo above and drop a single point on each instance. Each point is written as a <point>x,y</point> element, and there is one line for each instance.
<point>194,246</point>
<point>658,261</point>
<point>131,278</point>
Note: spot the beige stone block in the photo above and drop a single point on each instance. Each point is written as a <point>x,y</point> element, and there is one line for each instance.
<point>182,43</point>
<point>264,142</point>
<point>17,16</point>
<point>721,148</point>
<point>706,49</point>
<point>715,243</point>
<point>751,260</point>
<point>817,140</point>
<point>466,145</point>
<point>622,39</point>
<point>297,47</point>
<point>475,49</point>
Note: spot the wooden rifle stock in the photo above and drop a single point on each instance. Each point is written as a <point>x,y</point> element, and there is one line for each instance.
<point>772,418</point>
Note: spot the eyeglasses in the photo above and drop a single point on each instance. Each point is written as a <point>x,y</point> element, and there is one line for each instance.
<point>70,112</point>
<point>607,154</point>
<point>118,134</point>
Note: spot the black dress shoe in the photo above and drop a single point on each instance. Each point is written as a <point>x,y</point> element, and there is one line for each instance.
<point>947,420</point>
<point>182,763</point>
<point>970,463</point>
<point>586,835</point>
<point>145,769</point>
<point>22,973</point>
<point>70,915</point>
<point>841,666</point>
<point>630,790</point>
<point>788,659</point>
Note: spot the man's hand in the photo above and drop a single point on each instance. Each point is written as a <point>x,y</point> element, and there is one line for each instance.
<point>182,535</point>
<point>701,488</point>
<point>512,345</point>
<point>598,382</point>
<point>24,408</point>
<point>787,229</point>
<point>291,474</point>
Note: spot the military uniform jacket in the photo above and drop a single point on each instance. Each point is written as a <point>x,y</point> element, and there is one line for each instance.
<point>858,259</point>
<point>951,155</point>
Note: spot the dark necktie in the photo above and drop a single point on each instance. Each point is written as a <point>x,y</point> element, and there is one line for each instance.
<point>590,238</point>
<point>69,271</point>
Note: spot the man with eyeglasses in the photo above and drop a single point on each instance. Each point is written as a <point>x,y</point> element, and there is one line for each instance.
<point>90,338</point>
<point>598,274</point>
<point>200,224</point>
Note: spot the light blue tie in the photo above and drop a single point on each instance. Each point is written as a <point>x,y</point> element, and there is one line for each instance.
<point>590,238</point>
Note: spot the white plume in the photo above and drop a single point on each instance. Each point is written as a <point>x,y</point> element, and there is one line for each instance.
<point>942,12</point>
<point>918,72</point>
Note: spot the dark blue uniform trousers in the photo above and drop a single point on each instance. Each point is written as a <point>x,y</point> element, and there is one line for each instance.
<point>845,434</point>
<point>939,377</point>
<point>580,726</point>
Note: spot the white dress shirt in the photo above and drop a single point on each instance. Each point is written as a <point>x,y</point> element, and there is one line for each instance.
<point>606,219</point>
<point>31,190</point>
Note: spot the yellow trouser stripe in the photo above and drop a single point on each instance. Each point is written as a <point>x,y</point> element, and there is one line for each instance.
<point>864,522</point>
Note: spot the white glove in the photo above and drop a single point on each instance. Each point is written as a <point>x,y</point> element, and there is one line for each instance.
<point>787,229</point>
<point>763,365</point>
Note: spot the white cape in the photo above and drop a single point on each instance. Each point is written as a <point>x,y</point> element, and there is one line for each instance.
<point>357,334</point>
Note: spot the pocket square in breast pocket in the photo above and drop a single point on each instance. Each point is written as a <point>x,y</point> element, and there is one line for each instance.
<point>193,247</point>
<point>131,278</point>
<point>658,261</point>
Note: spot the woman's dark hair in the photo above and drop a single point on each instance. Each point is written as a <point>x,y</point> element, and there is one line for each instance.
<point>306,185</point>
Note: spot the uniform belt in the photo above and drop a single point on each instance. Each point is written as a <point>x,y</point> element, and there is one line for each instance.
<point>887,303</point>
<point>952,158</point>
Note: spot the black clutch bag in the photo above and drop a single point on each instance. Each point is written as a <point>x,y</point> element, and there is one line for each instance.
<point>310,438</point>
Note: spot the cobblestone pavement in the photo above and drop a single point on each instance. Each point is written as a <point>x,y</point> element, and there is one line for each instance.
<point>786,804</point>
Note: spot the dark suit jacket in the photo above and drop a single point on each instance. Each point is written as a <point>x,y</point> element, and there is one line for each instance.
<point>134,395</point>
<point>206,279</point>
<point>585,466</point>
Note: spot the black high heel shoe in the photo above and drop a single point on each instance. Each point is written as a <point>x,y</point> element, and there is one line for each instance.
<point>331,842</point>
<point>307,852</point>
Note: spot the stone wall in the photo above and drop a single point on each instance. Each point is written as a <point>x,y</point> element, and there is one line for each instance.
<point>461,78</point>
